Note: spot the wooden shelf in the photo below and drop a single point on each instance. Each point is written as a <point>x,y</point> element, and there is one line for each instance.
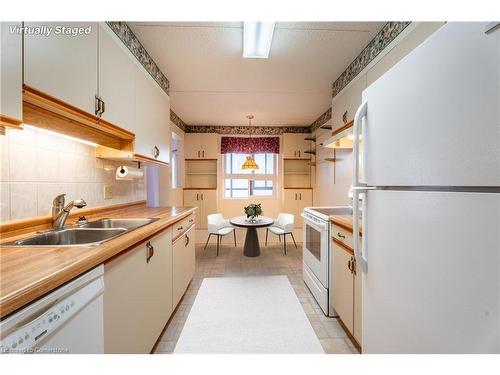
<point>296,188</point>
<point>125,156</point>
<point>310,139</point>
<point>45,111</point>
<point>200,159</point>
<point>330,159</point>
<point>202,173</point>
<point>312,152</point>
<point>11,122</point>
<point>325,126</point>
<point>200,188</point>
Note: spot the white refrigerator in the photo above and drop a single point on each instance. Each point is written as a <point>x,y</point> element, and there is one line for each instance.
<point>429,178</point>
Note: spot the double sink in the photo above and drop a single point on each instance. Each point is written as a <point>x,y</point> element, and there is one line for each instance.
<point>89,234</point>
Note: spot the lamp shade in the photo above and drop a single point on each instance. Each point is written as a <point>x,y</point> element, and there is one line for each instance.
<point>250,163</point>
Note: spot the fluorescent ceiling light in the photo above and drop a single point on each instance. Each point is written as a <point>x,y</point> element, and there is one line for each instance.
<point>257,38</point>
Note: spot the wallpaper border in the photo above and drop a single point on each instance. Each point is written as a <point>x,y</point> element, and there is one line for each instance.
<point>385,36</point>
<point>127,36</point>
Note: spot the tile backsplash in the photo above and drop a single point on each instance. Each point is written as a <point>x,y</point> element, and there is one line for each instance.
<point>36,166</point>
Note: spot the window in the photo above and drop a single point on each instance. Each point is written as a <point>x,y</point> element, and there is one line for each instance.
<point>241,183</point>
<point>176,145</point>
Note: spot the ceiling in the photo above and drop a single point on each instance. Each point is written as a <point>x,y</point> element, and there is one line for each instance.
<point>212,84</point>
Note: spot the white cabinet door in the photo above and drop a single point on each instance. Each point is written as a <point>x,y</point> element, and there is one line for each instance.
<point>192,146</point>
<point>183,264</point>
<point>63,66</point>
<point>302,146</point>
<point>208,206</point>
<point>138,296</point>
<point>290,202</point>
<point>304,200</point>
<point>353,97</point>
<point>11,77</point>
<point>343,286</point>
<point>209,145</point>
<point>289,146</point>
<point>116,80</point>
<point>152,117</point>
<point>192,199</point>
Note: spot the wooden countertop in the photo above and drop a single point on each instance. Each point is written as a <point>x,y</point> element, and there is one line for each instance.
<point>28,273</point>
<point>344,221</point>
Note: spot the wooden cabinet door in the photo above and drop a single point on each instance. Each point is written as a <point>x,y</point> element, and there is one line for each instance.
<point>208,206</point>
<point>183,264</point>
<point>11,72</point>
<point>358,308</point>
<point>192,146</point>
<point>192,198</point>
<point>304,200</point>
<point>63,66</point>
<point>343,286</point>
<point>116,80</point>
<point>138,296</point>
<point>210,146</point>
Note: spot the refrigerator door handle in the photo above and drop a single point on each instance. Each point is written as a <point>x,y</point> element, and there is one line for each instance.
<point>357,187</point>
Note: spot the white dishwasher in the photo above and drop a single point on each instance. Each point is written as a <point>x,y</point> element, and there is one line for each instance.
<point>67,320</point>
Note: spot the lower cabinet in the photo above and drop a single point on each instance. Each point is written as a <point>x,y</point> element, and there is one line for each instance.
<point>205,200</point>
<point>347,289</point>
<point>294,202</point>
<point>138,296</point>
<point>343,285</point>
<point>183,261</point>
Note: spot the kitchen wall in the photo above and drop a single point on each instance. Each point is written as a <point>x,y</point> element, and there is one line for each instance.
<point>333,180</point>
<point>36,166</point>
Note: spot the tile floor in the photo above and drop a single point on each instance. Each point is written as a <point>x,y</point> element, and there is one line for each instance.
<point>231,262</point>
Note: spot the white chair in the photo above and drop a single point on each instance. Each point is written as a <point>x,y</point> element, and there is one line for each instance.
<point>218,226</point>
<point>282,226</point>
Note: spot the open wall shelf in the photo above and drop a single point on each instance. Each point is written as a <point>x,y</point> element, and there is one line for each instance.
<point>201,173</point>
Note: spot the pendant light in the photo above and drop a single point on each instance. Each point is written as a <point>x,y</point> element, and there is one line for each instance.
<point>250,162</point>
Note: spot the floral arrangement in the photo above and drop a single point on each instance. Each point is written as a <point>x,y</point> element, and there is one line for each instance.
<point>253,211</point>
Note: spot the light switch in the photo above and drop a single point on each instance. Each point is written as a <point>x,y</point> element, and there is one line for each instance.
<point>108,191</point>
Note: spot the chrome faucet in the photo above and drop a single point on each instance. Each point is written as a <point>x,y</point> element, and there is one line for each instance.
<point>60,212</point>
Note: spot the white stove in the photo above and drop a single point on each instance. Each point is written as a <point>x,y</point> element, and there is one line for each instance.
<point>317,261</point>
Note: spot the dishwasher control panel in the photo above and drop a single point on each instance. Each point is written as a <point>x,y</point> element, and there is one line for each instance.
<point>29,335</point>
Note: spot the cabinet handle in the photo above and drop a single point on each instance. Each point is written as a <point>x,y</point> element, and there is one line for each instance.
<point>187,240</point>
<point>151,251</point>
<point>103,107</point>
<point>180,228</point>
<point>349,265</point>
<point>198,153</point>
<point>300,196</point>
<point>295,196</point>
<point>340,235</point>
<point>201,196</point>
<point>299,153</point>
<point>203,153</point>
<point>97,104</point>
<point>197,197</point>
<point>156,152</point>
<point>354,265</point>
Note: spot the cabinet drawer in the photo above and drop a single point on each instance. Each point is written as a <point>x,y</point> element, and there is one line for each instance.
<point>342,235</point>
<point>182,225</point>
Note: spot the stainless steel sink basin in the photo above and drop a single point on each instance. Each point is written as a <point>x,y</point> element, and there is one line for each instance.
<point>92,233</point>
<point>69,237</point>
<point>129,224</point>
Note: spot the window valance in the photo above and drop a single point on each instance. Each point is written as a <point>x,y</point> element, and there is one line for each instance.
<point>244,145</point>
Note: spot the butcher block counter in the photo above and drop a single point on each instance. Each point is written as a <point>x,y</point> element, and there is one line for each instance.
<point>27,273</point>
<point>344,221</point>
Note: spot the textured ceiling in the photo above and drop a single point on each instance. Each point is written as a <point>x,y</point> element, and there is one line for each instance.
<point>212,84</point>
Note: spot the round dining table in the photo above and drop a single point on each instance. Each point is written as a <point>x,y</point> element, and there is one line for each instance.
<point>251,247</point>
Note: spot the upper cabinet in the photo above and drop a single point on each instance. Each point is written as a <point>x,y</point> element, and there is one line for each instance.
<point>295,146</point>
<point>201,146</point>
<point>11,75</point>
<point>346,104</point>
<point>62,65</point>
<point>152,118</point>
<point>116,80</point>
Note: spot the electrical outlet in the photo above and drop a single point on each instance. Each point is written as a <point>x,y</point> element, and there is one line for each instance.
<point>108,191</point>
